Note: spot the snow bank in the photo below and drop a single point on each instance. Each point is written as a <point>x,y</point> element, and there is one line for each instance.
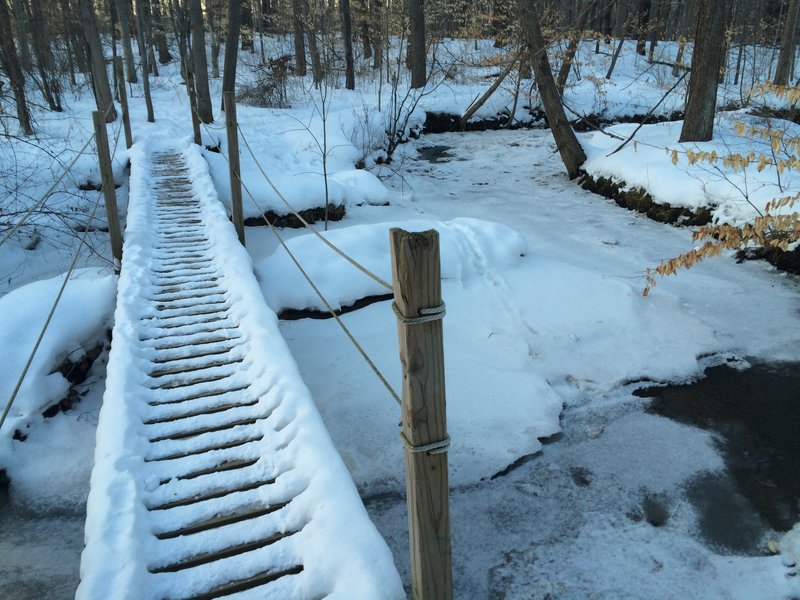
<point>342,284</point>
<point>735,196</point>
<point>78,324</point>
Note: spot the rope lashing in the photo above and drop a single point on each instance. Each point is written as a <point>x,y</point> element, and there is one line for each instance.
<point>439,447</point>
<point>426,315</point>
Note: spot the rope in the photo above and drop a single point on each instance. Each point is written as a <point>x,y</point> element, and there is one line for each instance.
<point>35,349</point>
<point>319,294</point>
<point>427,315</point>
<point>49,191</point>
<point>439,447</point>
<point>308,226</point>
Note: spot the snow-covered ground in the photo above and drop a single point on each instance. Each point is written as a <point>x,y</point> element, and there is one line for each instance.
<point>546,331</point>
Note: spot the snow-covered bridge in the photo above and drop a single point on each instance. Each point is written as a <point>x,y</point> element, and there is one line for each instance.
<point>214,475</point>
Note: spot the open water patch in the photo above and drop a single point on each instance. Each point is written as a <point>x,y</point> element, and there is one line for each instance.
<point>755,416</point>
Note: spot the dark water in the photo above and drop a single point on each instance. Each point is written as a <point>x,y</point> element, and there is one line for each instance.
<point>435,154</point>
<point>755,414</point>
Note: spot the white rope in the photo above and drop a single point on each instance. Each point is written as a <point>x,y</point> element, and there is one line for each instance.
<point>35,349</point>
<point>308,225</point>
<point>49,191</point>
<point>439,447</point>
<point>319,294</point>
<point>426,315</point>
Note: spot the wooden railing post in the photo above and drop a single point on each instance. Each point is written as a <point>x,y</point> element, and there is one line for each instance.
<point>123,100</point>
<point>419,309</point>
<point>107,175</point>
<point>198,138</point>
<point>237,214</point>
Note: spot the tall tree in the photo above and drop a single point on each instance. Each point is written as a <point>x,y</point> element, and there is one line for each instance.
<point>568,145</point>
<point>347,34</point>
<point>204,111</point>
<point>416,48</point>
<point>102,89</point>
<point>231,46</point>
<point>164,55</point>
<point>709,37</point>
<point>127,49</point>
<point>9,60</point>
<point>788,43</point>
<point>143,45</point>
<point>299,37</point>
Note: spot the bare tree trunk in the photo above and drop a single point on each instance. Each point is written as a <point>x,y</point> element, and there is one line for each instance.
<point>10,63</point>
<point>615,57</point>
<point>23,34</point>
<point>140,29</point>
<point>204,111</point>
<point>102,90</point>
<point>642,24</point>
<point>698,123</point>
<point>788,43</point>
<point>365,41</point>
<point>347,33</point>
<point>568,146</point>
<point>127,49</point>
<point>299,38</point>
<point>311,17</point>
<point>212,15</point>
<point>231,46</point>
<point>44,58</point>
<point>164,55</point>
<point>376,23</point>
<point>416,47</point>
<point>572,49</point>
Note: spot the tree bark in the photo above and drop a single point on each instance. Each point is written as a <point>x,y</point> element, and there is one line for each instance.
<point>102,90</point>
<point>416,47</point>
<point>164,55</point>
<point>698,123</point>
<point>204,110</point>
<point>347,33</point>
<point>568,146</point>
<point>231,46</point>
<point>140,31</point>
<point>299,38</point>
<point>127,48</point>
<point>788,42</point>
<point>10,63</point>
<point>212,15</point>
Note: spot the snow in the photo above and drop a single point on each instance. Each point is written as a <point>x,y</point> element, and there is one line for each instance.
<point>88,293</point>
<point>341,552</point>
<point>735,196</point>
<point>546,332</point>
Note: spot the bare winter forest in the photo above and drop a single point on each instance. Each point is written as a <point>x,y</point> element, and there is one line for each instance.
<point>216,286</point>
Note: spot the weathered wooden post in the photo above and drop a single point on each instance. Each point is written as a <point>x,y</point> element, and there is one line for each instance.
<point>107,175</point>
<point>419,309</point>
<point>198,138</point>
<point>123,100</point>
<point>237,214</point>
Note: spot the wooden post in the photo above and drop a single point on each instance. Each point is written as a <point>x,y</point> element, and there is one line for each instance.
<point>107,175</point>
<point>418,297</point>
<point>123,100</point>
<point>237,214</point>
<point>198,138</point>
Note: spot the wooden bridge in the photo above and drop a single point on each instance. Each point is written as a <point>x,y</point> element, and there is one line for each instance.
<point>214,475</point>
